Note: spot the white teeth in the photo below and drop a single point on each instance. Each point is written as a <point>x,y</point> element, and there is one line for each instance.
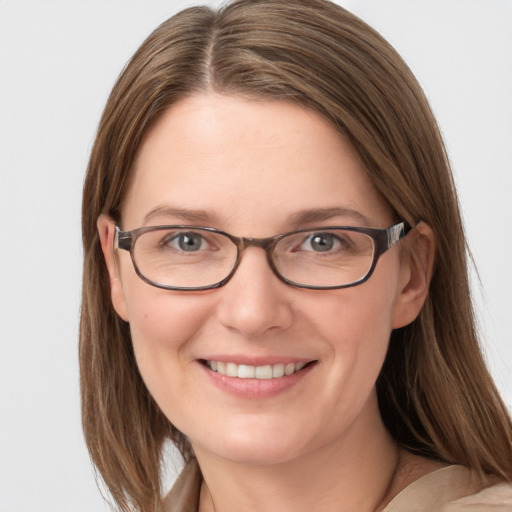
<point>263,372</point>
<point>289,369</point>
<point>277,371</point>
<point>243,371</point>
<point>231,370</point>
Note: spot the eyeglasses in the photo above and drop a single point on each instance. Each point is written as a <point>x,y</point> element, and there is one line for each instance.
<point>190,258</point>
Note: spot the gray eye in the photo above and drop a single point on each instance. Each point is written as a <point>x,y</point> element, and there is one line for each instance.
<point>321,242</point>
<point>187,242</point>
<point>190,242</point>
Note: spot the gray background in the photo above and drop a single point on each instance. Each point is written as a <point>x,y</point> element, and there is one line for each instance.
<point>58,61</point>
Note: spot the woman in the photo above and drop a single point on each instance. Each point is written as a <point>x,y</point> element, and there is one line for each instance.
<point>340,370</point>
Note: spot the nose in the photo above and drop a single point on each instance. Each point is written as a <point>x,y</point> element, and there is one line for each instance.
<point>255,302</point>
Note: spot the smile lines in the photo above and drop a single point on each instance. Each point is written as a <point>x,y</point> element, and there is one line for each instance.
<point>243,371</point>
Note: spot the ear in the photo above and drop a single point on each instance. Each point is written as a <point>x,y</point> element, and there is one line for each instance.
<point>106,232</point>
<point>416,273</point>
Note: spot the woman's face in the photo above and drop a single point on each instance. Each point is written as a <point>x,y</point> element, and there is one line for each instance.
<point>257,169</point>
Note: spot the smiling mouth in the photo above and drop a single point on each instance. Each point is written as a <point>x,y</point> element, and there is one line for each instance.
<point>266,372</point>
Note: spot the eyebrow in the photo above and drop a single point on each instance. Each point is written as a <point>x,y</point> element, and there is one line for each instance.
<point>322,214</point>
<point>297,219</point>
<point>185,214</point>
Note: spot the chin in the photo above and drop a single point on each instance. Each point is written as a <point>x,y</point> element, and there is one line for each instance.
<point>252,454</point>
<point>253,446</point>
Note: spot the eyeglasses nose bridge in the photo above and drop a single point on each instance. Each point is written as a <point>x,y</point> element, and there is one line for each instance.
<point>267,244</point>
<point>263,243</point>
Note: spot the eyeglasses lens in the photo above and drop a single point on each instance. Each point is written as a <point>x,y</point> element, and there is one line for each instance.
<point>194,258</point>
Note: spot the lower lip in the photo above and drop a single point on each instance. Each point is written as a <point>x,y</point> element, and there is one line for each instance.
<point>256,388</point>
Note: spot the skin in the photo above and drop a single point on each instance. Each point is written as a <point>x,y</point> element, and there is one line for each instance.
<point>249,168</point>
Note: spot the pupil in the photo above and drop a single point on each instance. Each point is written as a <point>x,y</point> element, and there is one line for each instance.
<point>189,242</point>
<point>322,243</point>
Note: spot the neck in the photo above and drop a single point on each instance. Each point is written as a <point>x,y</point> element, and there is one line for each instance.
<point>354,472</point>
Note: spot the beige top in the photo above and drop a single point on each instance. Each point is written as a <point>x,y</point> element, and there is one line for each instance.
<point>450,489</point>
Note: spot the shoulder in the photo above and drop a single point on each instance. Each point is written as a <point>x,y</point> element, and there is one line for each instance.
<point>453,489</point>
<point>184,495</point>
<point>497,497</point>
<point>449,489</point>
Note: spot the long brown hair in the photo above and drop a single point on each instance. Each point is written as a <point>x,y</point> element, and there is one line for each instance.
<point>435,392</point>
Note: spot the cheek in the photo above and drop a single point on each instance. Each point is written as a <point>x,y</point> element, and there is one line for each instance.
<point>355,325</point>
<point>357,316</point>
<point>162,327</point>
<point>160,319</point>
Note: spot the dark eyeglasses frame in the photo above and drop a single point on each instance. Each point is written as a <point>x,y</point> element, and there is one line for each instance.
<point>384,239</point>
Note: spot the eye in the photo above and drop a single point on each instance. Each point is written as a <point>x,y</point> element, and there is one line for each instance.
<point>186,242</point>
<point>323,242</point>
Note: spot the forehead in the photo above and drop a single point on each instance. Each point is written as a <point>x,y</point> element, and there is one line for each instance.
<point>246,165</point>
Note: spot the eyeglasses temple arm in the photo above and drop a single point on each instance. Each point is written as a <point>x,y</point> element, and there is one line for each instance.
<point>397,232</point>
<point>122,239</point>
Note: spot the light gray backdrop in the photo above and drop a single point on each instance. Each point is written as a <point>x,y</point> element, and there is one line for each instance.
<point>58,61</point>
